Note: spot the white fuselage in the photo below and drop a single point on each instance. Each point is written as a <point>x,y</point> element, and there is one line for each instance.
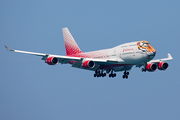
<point>128,52</point>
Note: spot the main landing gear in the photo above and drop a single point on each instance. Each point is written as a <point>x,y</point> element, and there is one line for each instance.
<point>125,75</point>
<point>99,73</point>
<point>112,74</point>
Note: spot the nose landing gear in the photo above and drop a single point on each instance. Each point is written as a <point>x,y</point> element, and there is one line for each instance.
<point>143,70</point>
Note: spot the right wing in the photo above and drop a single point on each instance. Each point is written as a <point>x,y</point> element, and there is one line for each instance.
<point>161,60</point>
<point>157,61</point>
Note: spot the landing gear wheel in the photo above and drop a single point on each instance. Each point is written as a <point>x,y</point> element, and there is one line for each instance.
<point>95,75</point>
<point>102,75</point>
<point>127,73</point>
<point>114,75</point>
<point>143,70</point>
<point>110,75</point>
<point>99,73</point>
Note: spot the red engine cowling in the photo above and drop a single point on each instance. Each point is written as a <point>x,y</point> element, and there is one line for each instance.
<point>88,64</point>
<point>151,67</point>
<point>163,66</point>
<point>51,60</point>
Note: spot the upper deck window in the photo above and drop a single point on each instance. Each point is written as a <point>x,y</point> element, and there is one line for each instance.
<point>124,46</point>
<point>133,45</point>
<point>145,46</point>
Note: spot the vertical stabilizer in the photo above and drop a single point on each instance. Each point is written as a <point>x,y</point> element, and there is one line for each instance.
<point>70,44</point>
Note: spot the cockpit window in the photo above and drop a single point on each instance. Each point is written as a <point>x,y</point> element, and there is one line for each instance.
<point>145,46</point>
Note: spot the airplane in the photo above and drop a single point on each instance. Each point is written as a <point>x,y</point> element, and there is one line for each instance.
<point>107,61</point>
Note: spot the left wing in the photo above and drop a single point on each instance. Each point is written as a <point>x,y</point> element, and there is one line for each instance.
<point>62,59</point>
<point>67,59</point>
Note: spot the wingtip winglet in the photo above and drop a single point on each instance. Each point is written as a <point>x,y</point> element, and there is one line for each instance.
<point>8,48</point>
<point>169,56</point>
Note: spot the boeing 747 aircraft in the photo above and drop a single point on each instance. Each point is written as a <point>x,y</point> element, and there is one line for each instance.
<point>108,61</point>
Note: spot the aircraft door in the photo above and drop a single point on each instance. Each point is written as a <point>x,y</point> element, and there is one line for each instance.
<point>120,54</point>
<point>134,52</point>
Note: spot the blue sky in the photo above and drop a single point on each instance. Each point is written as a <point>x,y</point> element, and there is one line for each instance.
<point>31,89</point>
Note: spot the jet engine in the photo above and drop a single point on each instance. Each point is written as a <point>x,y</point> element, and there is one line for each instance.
<point>88,64</point>
<point>151,67</point>
<point>163,66</point>
<point>51,61</point>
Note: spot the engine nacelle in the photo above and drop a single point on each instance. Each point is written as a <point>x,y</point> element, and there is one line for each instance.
<point>151,67</point>
<point>88,64</point>
<point>52,61</point>
<point>163,66</point>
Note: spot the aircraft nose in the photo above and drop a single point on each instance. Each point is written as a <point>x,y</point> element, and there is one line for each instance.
<point>152,54</point>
